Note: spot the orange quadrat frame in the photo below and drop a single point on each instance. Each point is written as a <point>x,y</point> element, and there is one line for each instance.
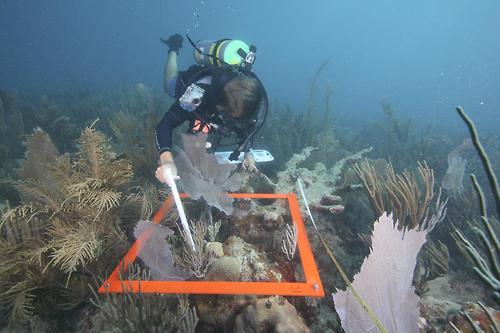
<point>311,287</point>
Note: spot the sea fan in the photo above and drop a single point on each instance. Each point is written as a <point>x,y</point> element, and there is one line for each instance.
<point>38,182</point>
<point>156,254</point>
<point>40,155</point>
<point>203,177</point>
<point>384,282</point>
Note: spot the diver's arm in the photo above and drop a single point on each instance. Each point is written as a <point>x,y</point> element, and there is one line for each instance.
<point>163,135</point>
<point>174,43</point>
<point>163,132</point>
<point>170,69</point>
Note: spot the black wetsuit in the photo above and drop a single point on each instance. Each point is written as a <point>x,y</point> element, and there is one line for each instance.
<point>173,118</point>
<point>206,112</point>
<point>176,115</point>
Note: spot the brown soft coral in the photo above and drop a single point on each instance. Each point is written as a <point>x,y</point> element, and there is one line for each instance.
<point>59,237</point>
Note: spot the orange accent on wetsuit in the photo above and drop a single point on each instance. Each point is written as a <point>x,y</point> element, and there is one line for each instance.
<point>200,127</point>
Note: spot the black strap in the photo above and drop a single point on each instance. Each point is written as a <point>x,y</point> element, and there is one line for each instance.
<point>218,61</point>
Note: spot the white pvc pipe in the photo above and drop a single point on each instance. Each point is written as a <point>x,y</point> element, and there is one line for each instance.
<point>180,208</point>
<point>301,188</point>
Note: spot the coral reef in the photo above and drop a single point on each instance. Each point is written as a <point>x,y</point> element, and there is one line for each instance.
<point>139,111</point>
<point>72,209</point>
<point>443,316</point>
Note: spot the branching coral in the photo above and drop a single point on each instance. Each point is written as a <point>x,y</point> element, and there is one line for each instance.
<point>290,241</point>
<point>397,131</point>
<point>373,185</point>
<point>55,120</point>
<point>135,135</point>
<point>57,237</point>
<point>432,262</point>
<point>11,127</point>
<point>408,199</point>
<point>401,140</point>
<point>18,283</point>
<point>138,312</point>
<point>198,259</point>
<point>486,262</point>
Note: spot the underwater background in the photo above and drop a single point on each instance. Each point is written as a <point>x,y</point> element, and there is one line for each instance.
<point>363,99</point>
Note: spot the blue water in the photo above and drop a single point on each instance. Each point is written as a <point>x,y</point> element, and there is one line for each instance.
<point>426,56</point>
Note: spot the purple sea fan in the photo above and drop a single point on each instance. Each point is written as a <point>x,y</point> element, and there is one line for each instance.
<point>203,177</point>
<point>156,254</point>
<point>384,282</point>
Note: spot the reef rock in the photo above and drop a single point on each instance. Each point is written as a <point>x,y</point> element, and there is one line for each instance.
<point>440,315</point>
<point>225,269</point>
<point>319,181</point>
<point>478,315</point>
<point>273,314</point>
<point>254,265</point>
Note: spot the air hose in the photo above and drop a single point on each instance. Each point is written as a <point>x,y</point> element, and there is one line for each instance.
<point>358,297</point>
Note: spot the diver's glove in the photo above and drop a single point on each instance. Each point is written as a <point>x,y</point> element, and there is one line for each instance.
<point>174,42</point>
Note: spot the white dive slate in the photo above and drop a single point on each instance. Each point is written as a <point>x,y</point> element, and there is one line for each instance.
<point>260,155</point>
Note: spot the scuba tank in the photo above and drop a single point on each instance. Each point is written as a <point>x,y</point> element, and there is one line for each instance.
<point>224,51</point>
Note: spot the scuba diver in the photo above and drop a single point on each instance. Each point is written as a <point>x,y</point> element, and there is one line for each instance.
<point>220,95</point>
